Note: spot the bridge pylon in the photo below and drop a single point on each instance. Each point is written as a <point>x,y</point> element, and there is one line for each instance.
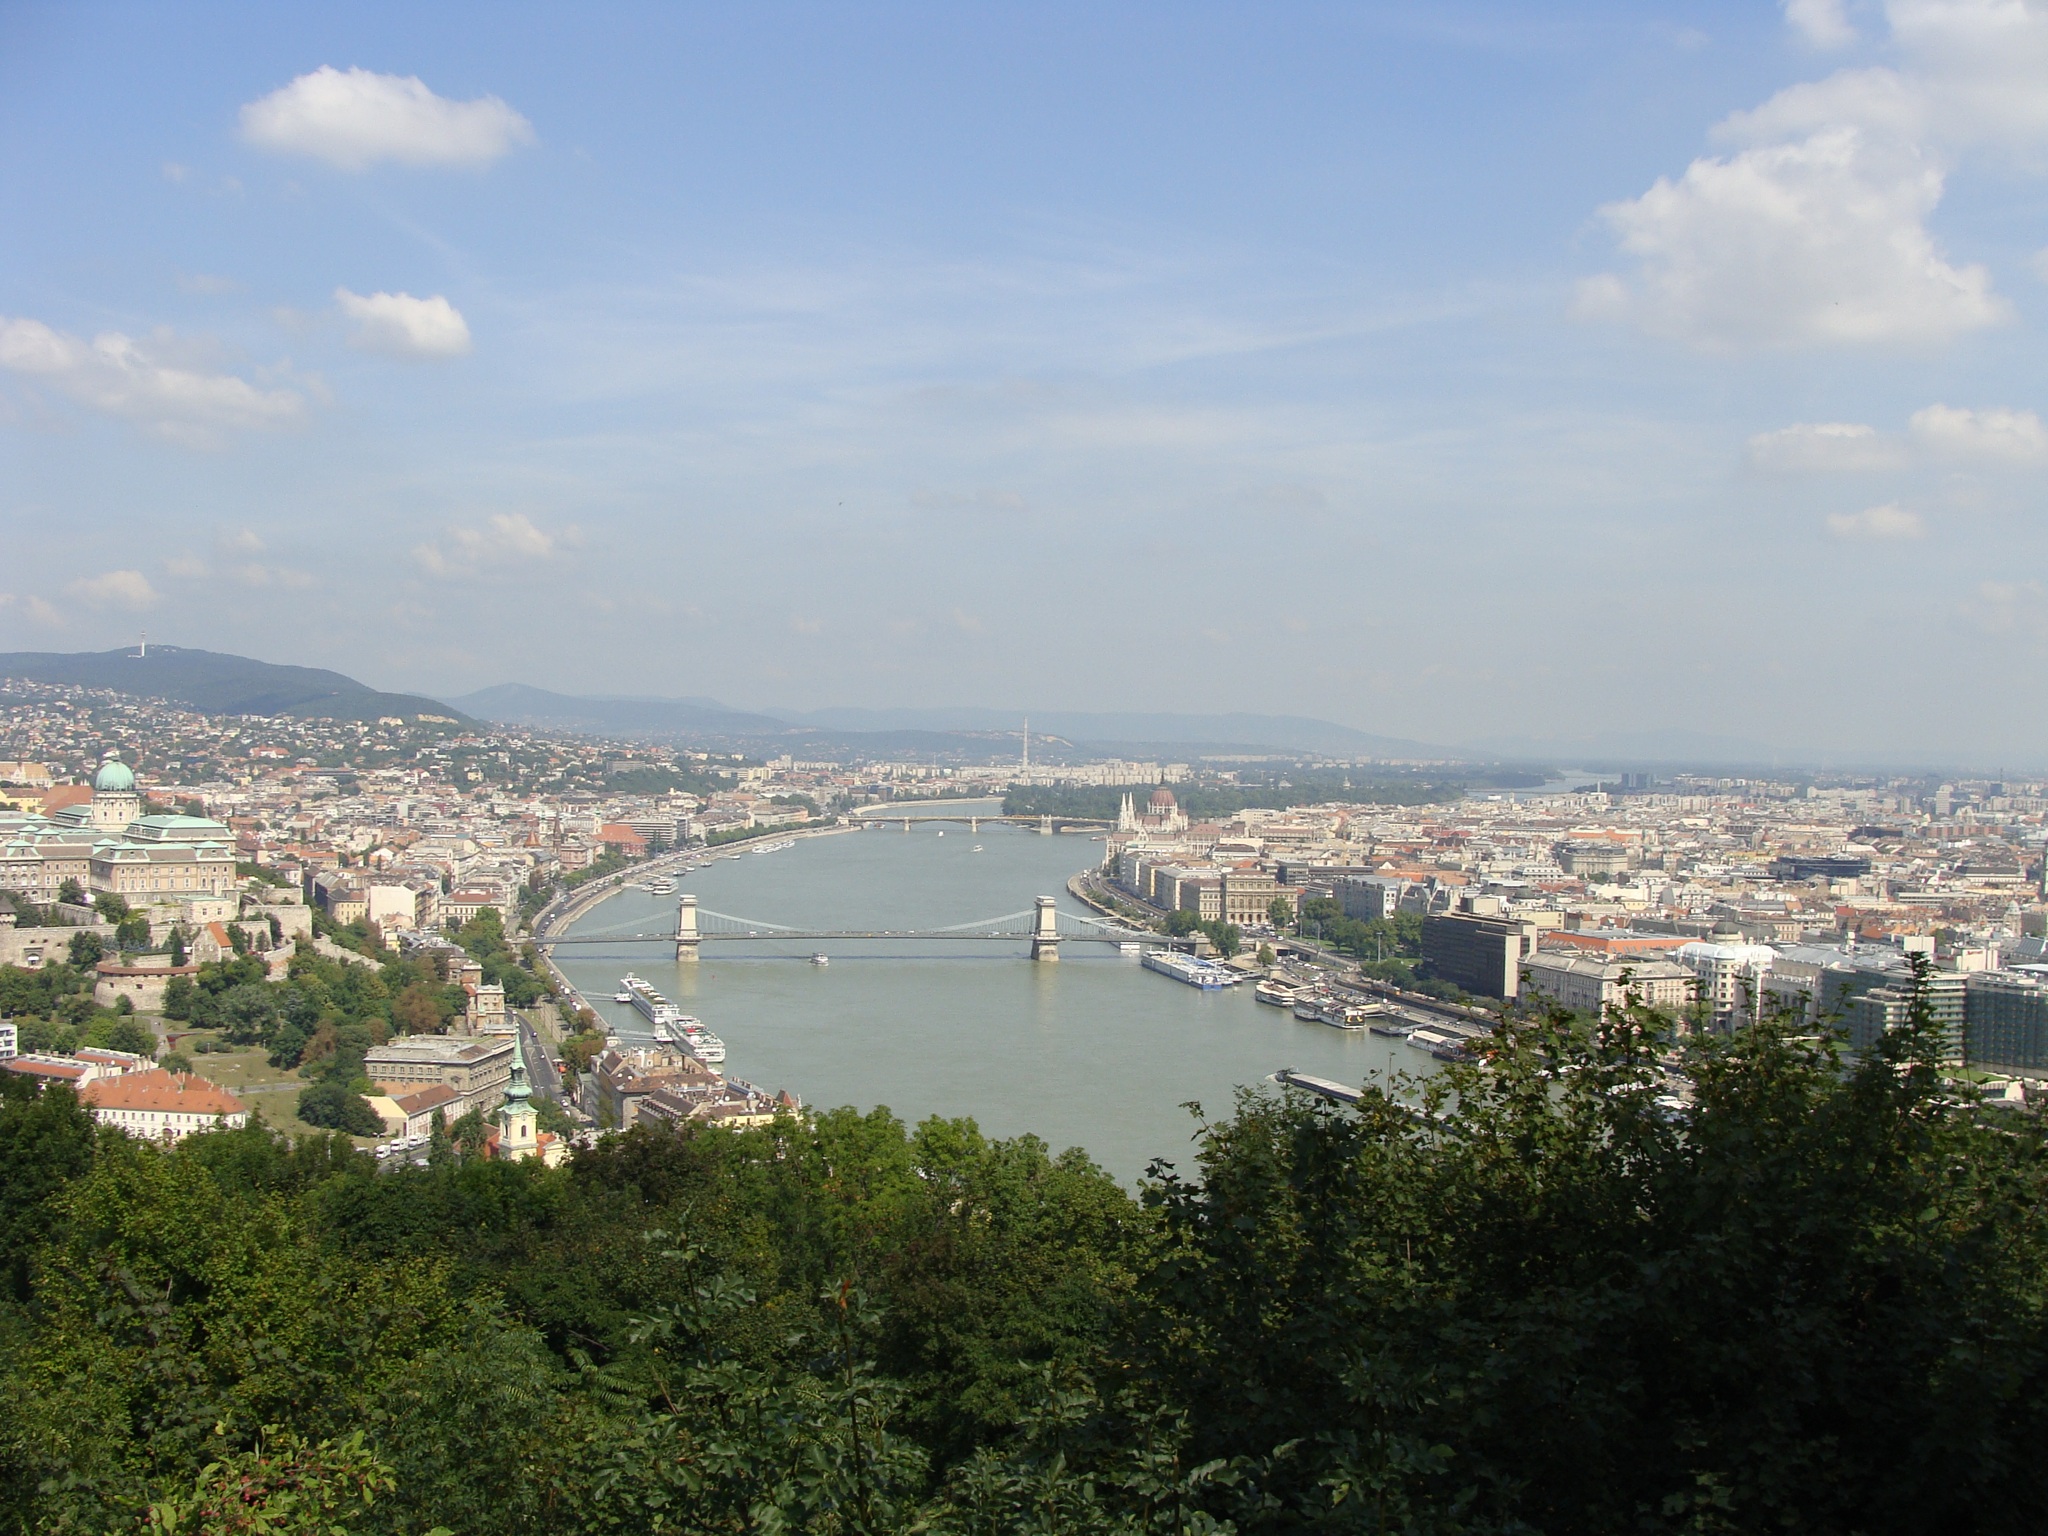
<point>1045,826</point>
<point>974,823</point>
<point>686,931</point>
<point>1045,931</point>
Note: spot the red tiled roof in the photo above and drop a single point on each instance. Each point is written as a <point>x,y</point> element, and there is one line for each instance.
<point>426,1099</point>
<point>174,1092</point>
<point>100,1056</point>
<point>60,1071</point>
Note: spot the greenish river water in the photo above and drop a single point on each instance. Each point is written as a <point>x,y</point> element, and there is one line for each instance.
<point>1094,1052</point>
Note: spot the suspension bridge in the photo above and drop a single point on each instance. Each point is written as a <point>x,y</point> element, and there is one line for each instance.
<point>880,816</point>
<point>1042,926</point>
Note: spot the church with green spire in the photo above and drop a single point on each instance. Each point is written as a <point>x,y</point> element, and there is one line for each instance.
<point>517,1134</point>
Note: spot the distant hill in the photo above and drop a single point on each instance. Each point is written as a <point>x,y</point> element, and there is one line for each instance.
<point>975,732</point>
<point>517,704</point>
<point>1223,733</point>
<point>219,684</point>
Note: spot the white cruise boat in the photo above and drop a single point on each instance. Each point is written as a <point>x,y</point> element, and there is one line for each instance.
<point>704,1045</point>
<point>665,1017</point>
<point>1278,992</point>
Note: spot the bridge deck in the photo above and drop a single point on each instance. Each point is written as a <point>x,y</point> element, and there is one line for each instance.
<point>765,936</point>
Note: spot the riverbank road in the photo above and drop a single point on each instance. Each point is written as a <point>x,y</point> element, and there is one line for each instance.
<point>544,1069</point>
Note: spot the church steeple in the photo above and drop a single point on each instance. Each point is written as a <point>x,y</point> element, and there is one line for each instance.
<point>518,1128</point>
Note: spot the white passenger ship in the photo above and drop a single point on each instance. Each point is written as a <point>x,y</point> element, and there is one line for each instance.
<point>669,1023</point>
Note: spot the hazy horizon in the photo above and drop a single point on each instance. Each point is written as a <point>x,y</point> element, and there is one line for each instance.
<point>1451,373</point>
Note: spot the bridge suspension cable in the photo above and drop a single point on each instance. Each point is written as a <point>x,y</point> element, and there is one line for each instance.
<point>751,924</point>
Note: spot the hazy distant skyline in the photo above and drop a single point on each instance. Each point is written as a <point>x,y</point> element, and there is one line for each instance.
<point>1451,372</point>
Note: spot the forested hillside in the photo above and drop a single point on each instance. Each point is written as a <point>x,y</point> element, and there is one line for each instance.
<point>1536,1301</point>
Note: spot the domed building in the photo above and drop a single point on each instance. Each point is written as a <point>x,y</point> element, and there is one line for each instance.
<point>1162,814</point>
<point>107,844</point>
<point>115,803</point>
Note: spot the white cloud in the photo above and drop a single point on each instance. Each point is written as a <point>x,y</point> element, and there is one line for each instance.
<point>1821,23</point>
<point>114,589</point>
<point>245,541</point>
<point>402,326</point>
<point>190,567</point>
<point>38,610</point>
<point>355,118</point>
<point>254,574</point>
<point>1816,242</point>
<point>1813,230</point>
<point>2015,437</point>
<point>506,538</point>
<point>1888,522</point>
<point>2010,608</point>
<point>1980,64</point>
<point>136,379</point>
<point>1824,446</point>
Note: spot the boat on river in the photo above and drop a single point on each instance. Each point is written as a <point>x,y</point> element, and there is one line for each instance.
<point>1277,991</point>
<point>1206,974</point>
<point>701,1043</point>
<point>1339,1014</point>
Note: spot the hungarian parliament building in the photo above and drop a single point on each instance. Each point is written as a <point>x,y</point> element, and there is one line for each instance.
<point>107,844</point>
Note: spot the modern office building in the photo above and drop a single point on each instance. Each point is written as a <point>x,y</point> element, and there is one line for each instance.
<point>2006,1021</point>
<point>1481,952</point>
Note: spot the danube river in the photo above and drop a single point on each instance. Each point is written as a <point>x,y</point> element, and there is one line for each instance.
<point>1095,1051</point>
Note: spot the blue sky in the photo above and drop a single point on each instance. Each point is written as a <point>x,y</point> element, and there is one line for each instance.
<point>1451,371</point>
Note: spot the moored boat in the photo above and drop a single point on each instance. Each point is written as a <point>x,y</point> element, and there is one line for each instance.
<point>1205,974</point>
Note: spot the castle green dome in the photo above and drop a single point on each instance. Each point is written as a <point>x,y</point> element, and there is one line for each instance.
<point>114,778</point>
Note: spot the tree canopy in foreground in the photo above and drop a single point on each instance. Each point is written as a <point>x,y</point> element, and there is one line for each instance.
<point>1531,1299</point>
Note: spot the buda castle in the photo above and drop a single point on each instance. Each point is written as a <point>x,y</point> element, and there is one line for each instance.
<point>107,844</point>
